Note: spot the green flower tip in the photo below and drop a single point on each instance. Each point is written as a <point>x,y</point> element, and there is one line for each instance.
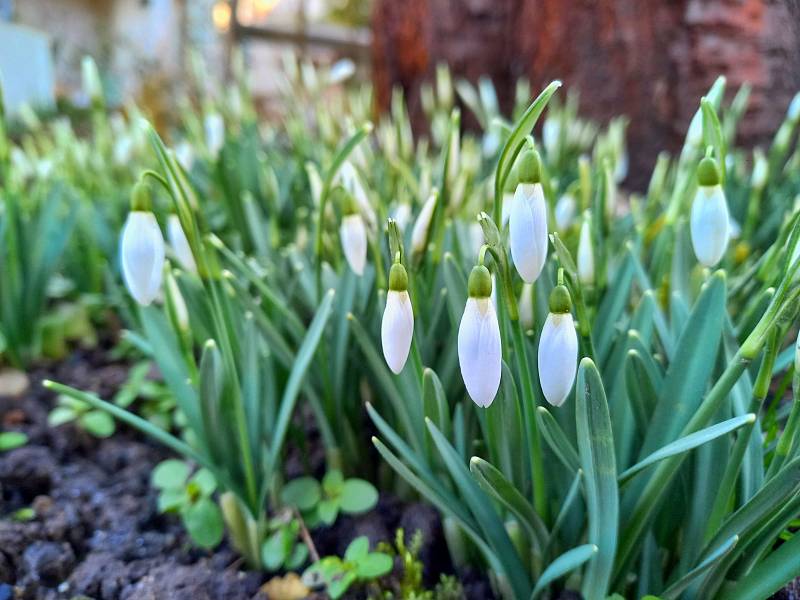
<point>480,282</point>
<point>398,278</point>
<point>708,173</point>
<point>140,196</point>
<point>560,300</point>
<point>340,196</point>
<point>530,167</point>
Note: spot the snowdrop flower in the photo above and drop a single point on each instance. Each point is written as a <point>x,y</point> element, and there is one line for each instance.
<point>710,222</point>
<point>760,170</point>
<point>565,211</point>
<point>558,347</point>
<point>184,155</point>
<point>402,215</point>
<point>179,244</point>
<point>353,233</point>
<point>397,325</point>
<point>479,351</point>
<point>419,235</point>
<point>551,130</point>
<point>214,127</point>
<point>528,220</point>
<point>341,71</point>
<point>586,253</point>
<point>142,249</point>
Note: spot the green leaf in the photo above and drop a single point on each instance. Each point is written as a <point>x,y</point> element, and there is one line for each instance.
<point>486,515</point>
<point>686,443</point>
<point>303,493</point>
<point>12,439</point>
<point>60,415</point>
<point>769,575</point>
<point>273,551</point>
<point>358,496</point>
<point>98,423</point>
<point>333,482</point>
<point>493,482</point>
<point>374,565</point>
<point>557,439</point>
<point>328,510</point>
<point>203,522</point>
<point>205,481</point>
<point>596,450</point>
<point>566,563</point>
<point>170,474</point>
<point>357,549</point>
<point>339,585</point>
<point>676,589</point>
<point>691,367</point>
<point>298,557</point>
<point>172,499</point>
<point>516,140</point>
<point>302,361</point>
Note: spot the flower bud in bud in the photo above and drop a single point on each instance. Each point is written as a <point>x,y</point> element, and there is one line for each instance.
<point>558,348</point>
<point>710,222</point>
<point>214,127</point>
<point>179,243</point>
<point>586,253</point>
<point>142,256</point>
<point>528,220</point>
<point>419,235</point>
<point>353,233</point>
<point>479,350</point>
<point>397,326</point>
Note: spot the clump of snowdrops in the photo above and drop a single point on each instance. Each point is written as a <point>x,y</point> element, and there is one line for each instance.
<point>590,386</point>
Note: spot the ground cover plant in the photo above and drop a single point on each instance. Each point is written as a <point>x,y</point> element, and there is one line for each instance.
<point>596,389</point>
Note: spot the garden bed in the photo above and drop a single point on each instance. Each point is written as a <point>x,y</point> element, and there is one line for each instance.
<point>93,528</point>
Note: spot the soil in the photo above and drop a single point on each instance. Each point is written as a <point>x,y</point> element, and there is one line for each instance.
<point>95,531</point>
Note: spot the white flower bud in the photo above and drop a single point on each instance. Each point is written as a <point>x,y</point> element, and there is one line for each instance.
<point>558,357</point>
<point>397,329</point>
<point>419,235</point>
<point>528,230</point>
<point>526,315</point>
<point>178,303</point>
<point>353,233</point>
<point>185,155</point>
<point>402,215</point>
<point>710,224</point>
<point>586,254</point>
<point>214,127</point>
<point>179,244</point>
<point>479,349</point>
<point>565,211</point>
<point>142,256</point>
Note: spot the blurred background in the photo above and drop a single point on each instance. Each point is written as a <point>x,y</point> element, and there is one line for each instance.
<point>648,59</point>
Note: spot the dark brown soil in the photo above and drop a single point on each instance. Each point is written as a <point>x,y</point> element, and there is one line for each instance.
<point>96,532</point>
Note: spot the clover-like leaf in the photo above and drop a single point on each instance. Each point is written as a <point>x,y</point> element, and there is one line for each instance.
<point>203,521</point>
<point>302,493</point>
<point>170,474</point>
<point>358,496</point>
<point>98,423</point>
<point>373,565</point>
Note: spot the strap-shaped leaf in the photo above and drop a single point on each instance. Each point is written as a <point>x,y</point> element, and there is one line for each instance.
<point>490,523</point>
<point>689,442</point>
<point>492,481</point>
<point>596,450</point>
<point>676,589</point>
<point>557,439</point>
<point>566,563</point>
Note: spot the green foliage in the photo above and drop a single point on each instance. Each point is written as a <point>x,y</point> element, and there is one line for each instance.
<point>320,503</point>
<point>190,496</point>
<point>72,410</point>
<point>12,439</point>
<point>358,565</point>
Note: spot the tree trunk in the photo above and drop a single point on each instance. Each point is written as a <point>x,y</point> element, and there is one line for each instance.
<point>650,60</point>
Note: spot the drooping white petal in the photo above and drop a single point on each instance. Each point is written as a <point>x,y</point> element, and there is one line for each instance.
<point>354,242</point>
<point>528,231</point>
<point>179,243</point>
<point>565,211</point>
<point>558,357</point>
<point>402,215</point>
<point>508,202</point>
<point>585,255</point>
<point>479,351</point>
<point>397,329</point>
<point>142,256</point>
<point>214,127</point>
<point>351,181</point>
<point>710,224</point>
<point>419,235</point>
